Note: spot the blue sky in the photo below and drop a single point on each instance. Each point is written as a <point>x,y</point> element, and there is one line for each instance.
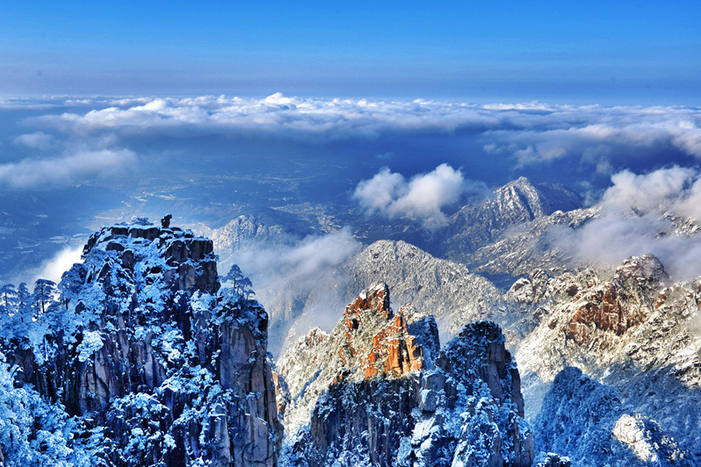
<point>628,51</point>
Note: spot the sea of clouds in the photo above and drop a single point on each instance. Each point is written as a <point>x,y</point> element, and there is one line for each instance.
<point>87,136</point>
<point>649,153</point>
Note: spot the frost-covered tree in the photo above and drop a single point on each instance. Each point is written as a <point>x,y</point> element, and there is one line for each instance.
<point>140,428</point>
<point>71,282</point>
<point>241,284</point>
<point>36,432</point>
<point>16,312</point>
<point>32,432</point>
<point>234,274</point>
<point>45,292</point>
<point>8,299</point>
<point>24,301</point>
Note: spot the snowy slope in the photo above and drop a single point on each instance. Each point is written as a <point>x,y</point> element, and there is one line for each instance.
<point>589,423</point>
<point>635,331</point>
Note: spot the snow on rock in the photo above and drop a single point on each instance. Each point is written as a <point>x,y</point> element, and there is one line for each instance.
<point>370,341</point>
<point>589,423</point>
<point>551,459</point>
<point>377,390</point>
<point>634,331</point>
<point>239,232</point>
<point>154,363</point>
<point>516,203</point>
<point>522,247</point>
<point>445,289</point>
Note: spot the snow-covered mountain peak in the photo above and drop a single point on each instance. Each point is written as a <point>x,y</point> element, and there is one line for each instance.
<point>521,199</point>
<point>520,196</point>
<point>242,229</point>
<point>377,390</point>
<point>174,258</point>
<point>645,270</point>
<point>142,359</point>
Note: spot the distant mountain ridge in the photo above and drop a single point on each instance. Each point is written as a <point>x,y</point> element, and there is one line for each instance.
<point>519,201</point>
<point>446,287</point>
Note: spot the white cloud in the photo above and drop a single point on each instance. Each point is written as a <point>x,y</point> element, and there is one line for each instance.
<point>379,192</point>
<point>609,239</point>
<point>421,198</point>
<point>334,117</point>
<point>36,140</point>
<point>284,274</point>
<point>690,204</point>
<point>531,132</point>
<point>632,222</point>
<point>658,190</point>
<point>69,169</point>
<point>674,190</point>
<point>299,262</point>
<point>61,262</point>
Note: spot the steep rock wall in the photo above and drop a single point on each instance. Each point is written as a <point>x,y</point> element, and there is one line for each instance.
<point>143,348</point>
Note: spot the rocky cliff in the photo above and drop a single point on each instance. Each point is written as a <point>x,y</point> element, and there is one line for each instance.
<point>588,421</point>
<point>153,363</point>
<point>635,331</point>
<point>517,202</point>
<point>377,390</point>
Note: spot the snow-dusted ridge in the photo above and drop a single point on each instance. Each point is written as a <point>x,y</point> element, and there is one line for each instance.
<point>635,331</point>
<point>377,391</point>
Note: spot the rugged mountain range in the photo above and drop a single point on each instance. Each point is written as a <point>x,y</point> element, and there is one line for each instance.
<point>632,330</point>
<point>377,390</point>
<point>140,356</point>
<point>506,235</point>
<point>516,203</point>
<point>442,288</point>
<point>242,229</point>
<point>477,224</point>
<point>445,289</point>
<point>530,245</point>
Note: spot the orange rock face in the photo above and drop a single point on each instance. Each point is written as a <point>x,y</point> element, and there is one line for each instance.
<point>393,351</point>
<point>605,312</point>
<point>376,300</point>
<point>281,394</point>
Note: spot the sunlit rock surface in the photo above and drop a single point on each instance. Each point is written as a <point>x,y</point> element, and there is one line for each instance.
<point>636,331</point>
<point>377,390</point>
